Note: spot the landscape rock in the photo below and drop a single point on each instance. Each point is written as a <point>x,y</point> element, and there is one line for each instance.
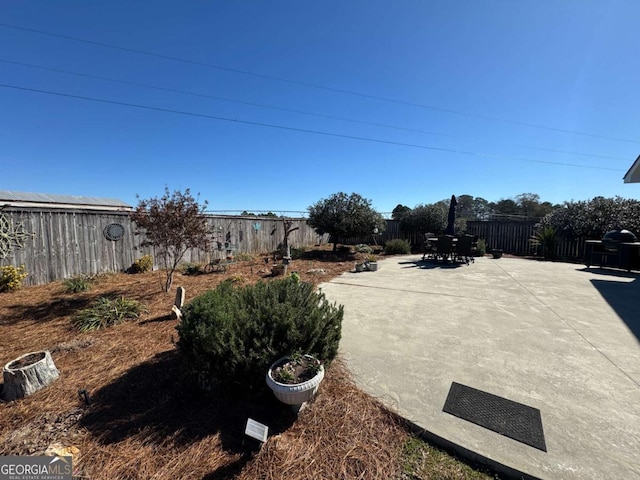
<point>317,271</point>
<point>59,450</point>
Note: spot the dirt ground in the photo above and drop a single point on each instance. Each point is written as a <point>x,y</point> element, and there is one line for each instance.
<point>141,419</point>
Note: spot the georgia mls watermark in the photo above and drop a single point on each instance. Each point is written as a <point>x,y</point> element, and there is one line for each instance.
<point>36,468</point>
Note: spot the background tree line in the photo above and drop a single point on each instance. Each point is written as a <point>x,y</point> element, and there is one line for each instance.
<point>433,217</point>
<point>526,206</point>
<point>343,215</point>
<point>176,221</point>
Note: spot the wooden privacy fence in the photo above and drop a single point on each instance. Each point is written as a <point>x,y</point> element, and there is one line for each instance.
<point>511,237</point>
<point>515,238</point>
<point>60,244</point>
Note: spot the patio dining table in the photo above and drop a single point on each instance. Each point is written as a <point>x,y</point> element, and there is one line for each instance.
<point>433,242</point>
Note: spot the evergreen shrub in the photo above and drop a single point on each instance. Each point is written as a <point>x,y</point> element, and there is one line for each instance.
<point>545,242</point>
<point>298,253</point>
<point>192,269</point>
<point>142,265</point>
<point>362,248</point>
<point>397,246</point>
<point>232,334</point>
<point>11,277</point>
<point>481,248</point>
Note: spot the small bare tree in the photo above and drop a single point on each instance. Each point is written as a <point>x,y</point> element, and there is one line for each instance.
<point>288,228</point>
<point>172,224</point>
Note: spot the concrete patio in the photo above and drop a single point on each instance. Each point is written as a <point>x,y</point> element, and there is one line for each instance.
<point>554,336</point>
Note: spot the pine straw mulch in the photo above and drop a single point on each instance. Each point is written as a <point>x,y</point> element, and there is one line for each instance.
<point>145,421</point>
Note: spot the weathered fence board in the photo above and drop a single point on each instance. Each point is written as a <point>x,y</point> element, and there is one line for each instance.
<point>66,243</point>
<point>511,237</point>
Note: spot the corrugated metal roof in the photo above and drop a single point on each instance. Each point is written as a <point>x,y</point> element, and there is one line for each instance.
<point>10,197</point>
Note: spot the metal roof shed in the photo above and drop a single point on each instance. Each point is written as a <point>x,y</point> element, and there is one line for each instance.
<point>73,202</point>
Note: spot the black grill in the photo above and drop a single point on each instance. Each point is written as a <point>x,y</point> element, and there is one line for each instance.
<point>612,239</point>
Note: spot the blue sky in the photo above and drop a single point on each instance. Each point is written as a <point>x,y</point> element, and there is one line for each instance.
<point>434,98</point>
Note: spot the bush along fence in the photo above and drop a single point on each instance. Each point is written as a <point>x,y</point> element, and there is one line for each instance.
<point>511,237</point>
<point>58,244</point>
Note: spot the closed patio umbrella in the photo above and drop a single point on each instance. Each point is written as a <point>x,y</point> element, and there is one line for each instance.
<point>452,216</point>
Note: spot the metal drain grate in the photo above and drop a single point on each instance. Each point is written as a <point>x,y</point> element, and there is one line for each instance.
<point>506,417</point>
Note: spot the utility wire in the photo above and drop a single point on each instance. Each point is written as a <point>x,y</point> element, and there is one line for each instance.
<point>224,99</point>
<point>302,112</point>
<point>595,155</point>
<point>294,129</point>
<point>312,85</point>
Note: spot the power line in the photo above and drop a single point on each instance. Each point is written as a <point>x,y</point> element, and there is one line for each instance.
<point>312,85</point>
<point>224,99</point>
<point>294,129</point>
<point>274,107</point>
<point>595,155</point>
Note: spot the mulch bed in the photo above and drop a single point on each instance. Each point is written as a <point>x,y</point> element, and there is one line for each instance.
<point>137,418</point>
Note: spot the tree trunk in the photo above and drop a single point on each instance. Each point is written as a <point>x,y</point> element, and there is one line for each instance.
<point>28,374</point>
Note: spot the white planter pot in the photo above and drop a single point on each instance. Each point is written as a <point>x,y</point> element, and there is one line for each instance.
<point>372,266</point>
<point>359,267</point>
<point>297,393</point>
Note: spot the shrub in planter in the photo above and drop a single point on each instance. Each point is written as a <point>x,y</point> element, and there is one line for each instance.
<point>231,335</point>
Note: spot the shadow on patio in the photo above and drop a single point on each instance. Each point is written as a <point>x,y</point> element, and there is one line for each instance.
<point>622,297</point>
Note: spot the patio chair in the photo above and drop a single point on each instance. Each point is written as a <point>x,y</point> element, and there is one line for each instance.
<point>443,247</point>
<point>427,246</point>
<point>463,249</point>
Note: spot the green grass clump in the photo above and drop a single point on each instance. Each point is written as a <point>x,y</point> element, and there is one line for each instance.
<point>397,246</point>
<point>421,461</point>
<point>79,283</point>
<point>107,312</point>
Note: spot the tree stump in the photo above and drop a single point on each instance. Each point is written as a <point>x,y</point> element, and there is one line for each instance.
<point>28,374</point>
